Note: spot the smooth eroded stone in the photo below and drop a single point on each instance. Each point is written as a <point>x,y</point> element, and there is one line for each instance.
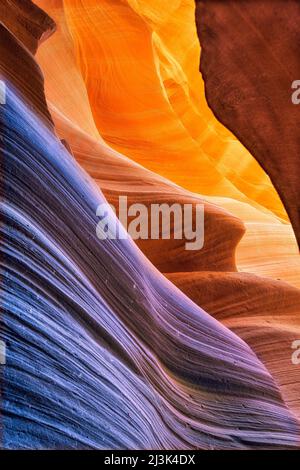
<point>249,60</point>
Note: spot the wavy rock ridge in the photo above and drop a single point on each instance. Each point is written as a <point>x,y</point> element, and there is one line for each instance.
<point>104,352</point>
<point>267,248</point>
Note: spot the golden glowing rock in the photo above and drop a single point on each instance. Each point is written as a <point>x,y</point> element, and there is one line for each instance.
<point>140,61</point>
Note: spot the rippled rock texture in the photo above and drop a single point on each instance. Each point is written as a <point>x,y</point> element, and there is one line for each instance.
<point>103,351</point>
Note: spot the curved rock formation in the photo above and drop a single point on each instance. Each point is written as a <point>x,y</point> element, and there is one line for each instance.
<point>64,85</point>
<point>66,94</point>
<point>265,313</point>
<point>249,60</point>
<point>268,247</point>
<point>102,350</point>
<point>27,22</point>
<point>116,175</point>
<point>22,27</point>
<point>147,96</point>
